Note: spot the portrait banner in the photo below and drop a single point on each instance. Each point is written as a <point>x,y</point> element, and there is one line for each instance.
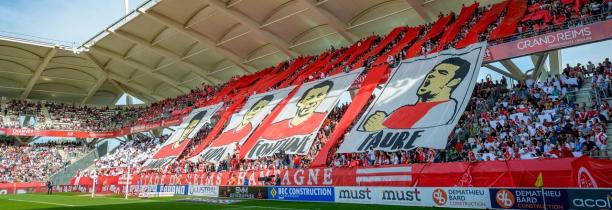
<point>294,129</point>
<point>181,137</point>
<point>420,103</point>
<point>242,124</point>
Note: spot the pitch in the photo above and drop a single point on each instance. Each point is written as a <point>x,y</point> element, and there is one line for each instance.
<point>83,201</point>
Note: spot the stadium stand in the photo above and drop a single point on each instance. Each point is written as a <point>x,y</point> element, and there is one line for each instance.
<point>36,163</point>
<point>504,121</point>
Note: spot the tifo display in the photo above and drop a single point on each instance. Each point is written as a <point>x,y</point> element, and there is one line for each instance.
<point>401,119</point>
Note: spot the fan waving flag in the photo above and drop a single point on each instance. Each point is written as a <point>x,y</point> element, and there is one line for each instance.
<point>242,124</point>
<point>420,104</point>
<point>176,143</point>
<point>294,129</point>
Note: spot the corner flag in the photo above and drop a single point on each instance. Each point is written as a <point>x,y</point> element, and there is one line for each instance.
<point>539,181</point>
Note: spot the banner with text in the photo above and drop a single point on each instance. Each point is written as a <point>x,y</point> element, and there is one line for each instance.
<point>242,124</point>
<point>293,131</point>
<point>550,41</point>
<point>420,103</point>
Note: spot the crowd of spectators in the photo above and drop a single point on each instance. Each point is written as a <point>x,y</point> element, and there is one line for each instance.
<point>36,162</point>
<point>530,120</point>
<point>277,161</point>
<point>132,153</point>
<point>541,16</point>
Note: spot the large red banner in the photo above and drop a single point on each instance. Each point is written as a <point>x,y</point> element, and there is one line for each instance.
<point>21,188</point>
<point>551,41</point>
<point>568,172</point>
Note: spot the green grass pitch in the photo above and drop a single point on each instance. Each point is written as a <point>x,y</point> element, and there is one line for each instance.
<point>83,201</point>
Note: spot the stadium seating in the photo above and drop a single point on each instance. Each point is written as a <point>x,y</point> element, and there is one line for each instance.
<point>503,121</point>
<point>35,163</point>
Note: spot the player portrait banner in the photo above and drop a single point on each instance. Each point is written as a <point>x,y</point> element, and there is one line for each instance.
<point>242,124</point>
<point>420,103</point>
<point>181,137</point>
<point>294,129</point>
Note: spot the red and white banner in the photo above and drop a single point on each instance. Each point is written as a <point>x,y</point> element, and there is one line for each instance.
<point>294,129</point>
<point>90,134</point>
<point>22,188</point>
<point>556,40</point>
<point>563,173</point>
<point>242,124</point>
<point>420,103</point>
<point>179,140</point>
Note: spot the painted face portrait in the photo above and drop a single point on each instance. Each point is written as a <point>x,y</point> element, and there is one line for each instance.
<point>312,98</point>
<point>443,79</point>
<point>192,124</point>
<point>255,109</point>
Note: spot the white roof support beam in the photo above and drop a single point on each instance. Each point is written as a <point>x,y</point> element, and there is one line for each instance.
<point>512,68</point>
<point>254,27</point>
<point>555,62</point>
<point>166,54</point>
<point>198,37</point>
<point>538,65</point>
<point>418,7</point>
<point>95,88</point>
<point>141,67</point>
<point>37,72</point>
<point>113,79</point>
<point>502,72</point>
<point>332,20</point>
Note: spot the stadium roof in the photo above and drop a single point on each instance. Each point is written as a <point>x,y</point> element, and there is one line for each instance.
<point>165,48</point>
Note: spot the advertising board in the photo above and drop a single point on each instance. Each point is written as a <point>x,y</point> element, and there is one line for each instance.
<point>590,198</point>
<point>528,198</point>
<point>203,190</point>
<point>324,194</point>
<point>243,192</point>
<point>472,198</point>
<point>177,189</point>
<point>404,196</point>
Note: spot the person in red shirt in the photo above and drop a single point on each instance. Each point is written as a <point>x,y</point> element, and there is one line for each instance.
<point>306,119</point>
<point>435,92</point>
<point>297,161</point>
<point>245,127</point>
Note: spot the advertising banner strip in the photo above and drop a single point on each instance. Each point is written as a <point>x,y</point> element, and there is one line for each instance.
<point>321,194</point>
<point>551,41</point>
<point>420,103</point>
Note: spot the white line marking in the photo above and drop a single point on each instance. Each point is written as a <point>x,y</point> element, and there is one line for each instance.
<point>407,169</point>
<point>42,202</point>
<point>260,207</point>
<point>384,178</point>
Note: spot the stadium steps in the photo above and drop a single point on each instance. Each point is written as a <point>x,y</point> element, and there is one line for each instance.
<point>609,142</point>
<point>86,161</point>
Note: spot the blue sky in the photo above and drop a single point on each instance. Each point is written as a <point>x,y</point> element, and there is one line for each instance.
<point>75,21</point>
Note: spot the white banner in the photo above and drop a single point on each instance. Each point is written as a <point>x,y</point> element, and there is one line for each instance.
<point>420,104</point>
<point>242,124</point>
<point>181,137</point>
<point>294,129</point>
<point>403,196</point>
<point>202,190</point>
<point>457,197</point>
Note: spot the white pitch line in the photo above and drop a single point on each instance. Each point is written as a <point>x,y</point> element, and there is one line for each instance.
<point>261,207</point>
<point>41,202</point>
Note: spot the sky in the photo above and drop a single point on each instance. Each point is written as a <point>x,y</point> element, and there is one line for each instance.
<point>73,22</point>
